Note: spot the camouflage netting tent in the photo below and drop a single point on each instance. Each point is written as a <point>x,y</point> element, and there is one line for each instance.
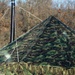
<point>50,42</point>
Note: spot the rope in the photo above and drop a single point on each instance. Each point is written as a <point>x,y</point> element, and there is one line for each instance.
<point>15,33</point>
<point>16,40</point>
<point>29,50</point>
<point>16,44</point>
<point>30,13</point>
<point>4,14</point>
<point>17,52</point>
<point>16,49</point>
<point>25,55</point>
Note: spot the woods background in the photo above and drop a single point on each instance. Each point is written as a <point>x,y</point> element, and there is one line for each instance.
<point>40,8</point>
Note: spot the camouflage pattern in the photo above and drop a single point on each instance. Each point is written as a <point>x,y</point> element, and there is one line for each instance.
<point>30,69</point>
<point>50,42</point>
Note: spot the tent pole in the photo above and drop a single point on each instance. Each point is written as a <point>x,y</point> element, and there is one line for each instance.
<point>12,26</point>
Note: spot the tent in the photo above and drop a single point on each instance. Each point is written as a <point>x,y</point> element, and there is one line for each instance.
<point>50,42</point>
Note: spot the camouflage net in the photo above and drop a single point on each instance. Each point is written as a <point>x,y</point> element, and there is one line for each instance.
<point>30,69</point>
<point>50,42</point>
